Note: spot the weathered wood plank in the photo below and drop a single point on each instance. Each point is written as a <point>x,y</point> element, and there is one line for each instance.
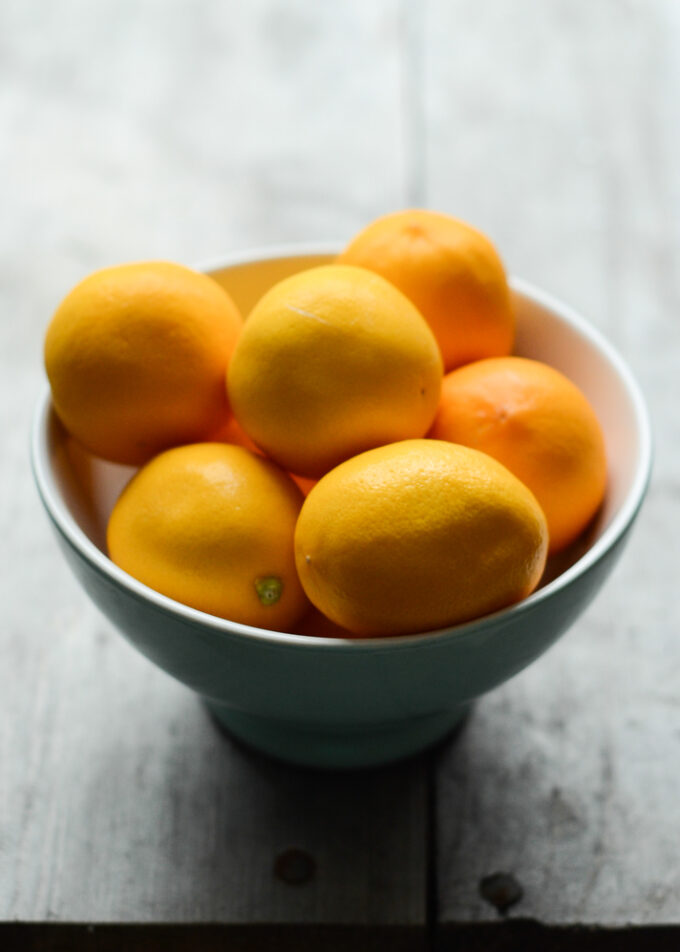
<point>142,811</point>
<point>173,130</point>
<point>555,128</point>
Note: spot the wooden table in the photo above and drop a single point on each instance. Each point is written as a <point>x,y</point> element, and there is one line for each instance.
<point>183,130</point>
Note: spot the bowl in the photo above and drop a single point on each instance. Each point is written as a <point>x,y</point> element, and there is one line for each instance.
<point>343,703</point>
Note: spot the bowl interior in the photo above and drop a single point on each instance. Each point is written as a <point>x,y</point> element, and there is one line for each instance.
<point>546,330</point>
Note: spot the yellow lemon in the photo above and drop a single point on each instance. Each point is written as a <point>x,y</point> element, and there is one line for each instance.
<point>333,361</point>
<point>211,525</point>
<point>418,535</point>
<point>136,356</point>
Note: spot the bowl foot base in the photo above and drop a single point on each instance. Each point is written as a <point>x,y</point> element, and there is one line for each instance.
<point>332,747</point>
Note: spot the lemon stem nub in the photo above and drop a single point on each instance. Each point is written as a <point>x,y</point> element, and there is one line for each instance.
<point>269,589</point>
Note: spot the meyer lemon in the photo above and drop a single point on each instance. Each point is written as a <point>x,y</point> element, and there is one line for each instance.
<point>418,535</point>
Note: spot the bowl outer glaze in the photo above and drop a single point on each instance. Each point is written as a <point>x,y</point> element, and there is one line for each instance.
<point>346,703</point>
<point>355,682</point>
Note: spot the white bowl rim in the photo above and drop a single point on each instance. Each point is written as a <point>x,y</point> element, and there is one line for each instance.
<point>623,518</point>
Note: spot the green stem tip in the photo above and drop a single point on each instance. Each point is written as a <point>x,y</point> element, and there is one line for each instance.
<point>268,589</point>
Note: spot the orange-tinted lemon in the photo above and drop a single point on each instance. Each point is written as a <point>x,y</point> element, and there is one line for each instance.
<point>451,272</point>
<point>212,526</point>
<point>418,535</point>
<point>332,361</point>
<point>234,433</point>
<point>136,356</point>
<point>304,483</point>
<point>536,422</point>
<point>315,625</point>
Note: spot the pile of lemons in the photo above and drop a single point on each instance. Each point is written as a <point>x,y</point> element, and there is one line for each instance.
<point>362,456</point>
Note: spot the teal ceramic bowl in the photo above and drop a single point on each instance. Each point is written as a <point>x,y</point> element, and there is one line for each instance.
<point>330,702</point>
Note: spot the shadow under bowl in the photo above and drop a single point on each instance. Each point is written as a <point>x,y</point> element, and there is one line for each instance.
<point>345,703</point>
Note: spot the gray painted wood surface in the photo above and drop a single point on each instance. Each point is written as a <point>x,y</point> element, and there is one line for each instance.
<point>185,130</point>
<point>567,777</point>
